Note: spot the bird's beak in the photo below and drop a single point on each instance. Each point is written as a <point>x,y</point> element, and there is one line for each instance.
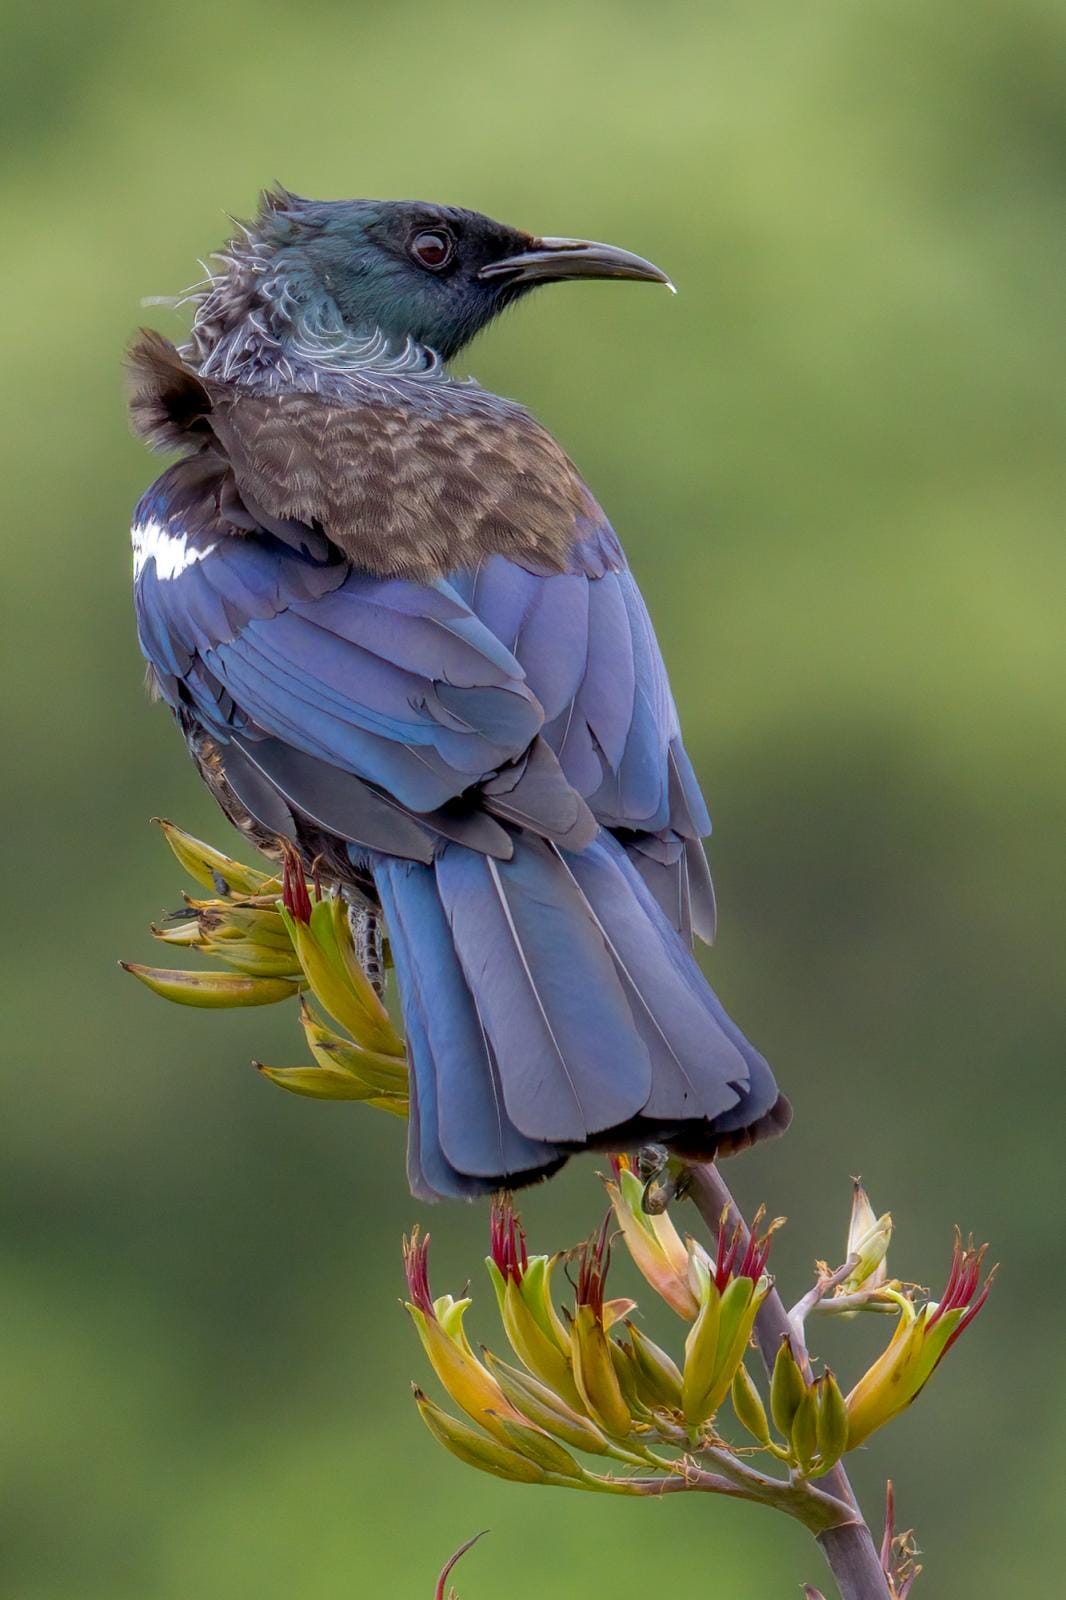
<point>553,260</point>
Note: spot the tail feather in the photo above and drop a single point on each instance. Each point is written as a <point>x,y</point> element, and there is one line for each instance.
<point>698,1072</point>
<point>762,1110</point>
<point>700,888</point>
<point>430,1174</point>
<point>461,1134</point>
<point>547,992</point>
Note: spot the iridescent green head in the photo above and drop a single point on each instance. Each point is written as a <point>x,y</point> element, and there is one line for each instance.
<point>412,269</point>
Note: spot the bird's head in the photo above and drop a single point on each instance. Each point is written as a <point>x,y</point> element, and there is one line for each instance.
<point>435,274</point>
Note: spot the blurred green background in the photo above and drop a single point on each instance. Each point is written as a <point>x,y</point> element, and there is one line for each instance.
<point>836,462</point>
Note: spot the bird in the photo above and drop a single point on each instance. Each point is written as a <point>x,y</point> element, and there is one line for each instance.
<point>401,638</point>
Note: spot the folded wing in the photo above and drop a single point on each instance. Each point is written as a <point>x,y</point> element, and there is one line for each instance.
<point>384,710</point>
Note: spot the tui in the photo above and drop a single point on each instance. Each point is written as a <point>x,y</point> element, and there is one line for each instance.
<point>400,636</point>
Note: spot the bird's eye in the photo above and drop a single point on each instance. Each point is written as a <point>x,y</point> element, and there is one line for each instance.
<point>433,248</point>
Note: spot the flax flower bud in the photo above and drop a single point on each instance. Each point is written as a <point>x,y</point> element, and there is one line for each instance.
<point>439,1324</point>
<point>595,1373</point>
<point>657,1248</point>
<point>322,938</point>
<point>211,868</point>
<point>212,991</point>
<point>731,1290</point>
<point>523,1293</point>
<point>922,1338</point>
<point>868,1238</point>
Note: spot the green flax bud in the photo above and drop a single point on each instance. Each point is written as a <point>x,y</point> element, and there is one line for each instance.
<point>213,990</point>
<point>747,1403</point>
<point>787,1388</point>
<point>804,1436</point>
<point>832,1422</point>
<point>475,1449</point>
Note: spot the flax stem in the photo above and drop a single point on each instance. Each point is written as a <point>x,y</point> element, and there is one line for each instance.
<point>848,1547</point>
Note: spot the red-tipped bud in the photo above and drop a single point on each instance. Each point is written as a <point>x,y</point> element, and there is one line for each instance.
<point>923,1336</point>
<point>507,1240</point>
<point>295,897</point>
<point>961,1288</point>
<point>416,1266</point>
<point>593,1263</point>
<point>731,1261</point>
